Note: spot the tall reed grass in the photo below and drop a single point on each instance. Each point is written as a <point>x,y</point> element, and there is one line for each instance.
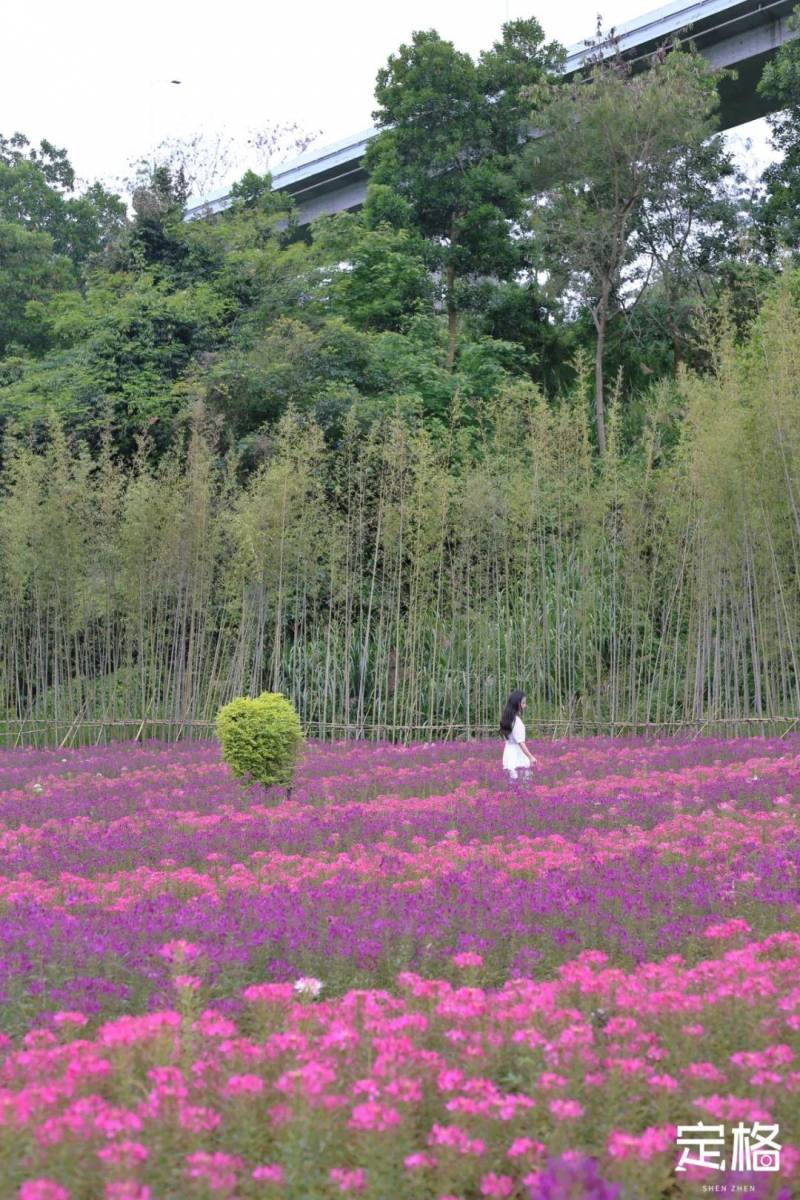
<point>407,582</point>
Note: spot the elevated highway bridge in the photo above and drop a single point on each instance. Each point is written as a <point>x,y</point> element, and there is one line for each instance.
<point>743,35</point>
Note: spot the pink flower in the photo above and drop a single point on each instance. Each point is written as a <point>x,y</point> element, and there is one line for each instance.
<point>218,1169</point>
<point>179,950</point>
<point>189,983</point>
<point>524,1145</point>
<point>373,1116</point>
<point>497,1185</point>
<point>549,1080</point>
<point>39,1039</point>
<point>769,1057</point>
<point>653,1141</point>
<point>629,1066</point>
<point>312,1079</point>
<point>127,1189</point>
<point>268,993</point>
<point>565,1110</point>
<point>42,1189</point>
<point>213,1024</point>
<point>243,1085</point>
<point>348,1181</point>
<point>666,1082</point>
<point>198,1119</point>
<point>408,1091</point>
<point>703,1070</point>
<point>69,1018</point>
<point>124,1154</point>
<point>468,958</point>
<point>412,1161</point>
<point>455,1137</point>
<point>790,1160</point>
<point>279,1114</point>
<point>272,1173</point>
<point>169,1081</point>
<point>727,930</point>
<point>732,1108</point>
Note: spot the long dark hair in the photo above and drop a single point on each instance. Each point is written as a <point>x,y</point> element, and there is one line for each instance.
<point>511,712</point>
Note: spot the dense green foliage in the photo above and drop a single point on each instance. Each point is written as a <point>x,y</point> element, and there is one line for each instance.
<point>451,133</point>
<point>260,738</point>
<point>362,463</point>
<point>37,192</point>
<point>780,86</point>
<point>402,580</point>
<point>607,164</point>
<point>450,283</point>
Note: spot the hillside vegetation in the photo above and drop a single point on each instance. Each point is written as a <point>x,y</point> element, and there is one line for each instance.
<point>511,422</point>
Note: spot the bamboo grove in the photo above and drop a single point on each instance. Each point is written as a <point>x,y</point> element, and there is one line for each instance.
<point>405,584</point>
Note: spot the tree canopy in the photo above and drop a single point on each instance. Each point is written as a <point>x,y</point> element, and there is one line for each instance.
<point>451,128</point>
<point>604,162</point>
<point>780,85</point>
<point>514,225</point>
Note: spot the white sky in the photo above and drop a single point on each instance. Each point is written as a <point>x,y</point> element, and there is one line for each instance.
<point>91,76</point>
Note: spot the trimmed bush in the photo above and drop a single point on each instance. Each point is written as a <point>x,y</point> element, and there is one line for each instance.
<point>261,738</point>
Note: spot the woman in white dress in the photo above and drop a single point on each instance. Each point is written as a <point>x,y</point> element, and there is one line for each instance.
<point>516,755</point>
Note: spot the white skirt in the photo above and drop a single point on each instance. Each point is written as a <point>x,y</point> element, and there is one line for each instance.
<point>514,757</point>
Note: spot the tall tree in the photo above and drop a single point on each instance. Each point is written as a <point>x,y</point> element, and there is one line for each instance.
<point>157,236</point>
<point>38,192</point>
<point>688,229</point>
<point>780,84</point>
<point>609,140</point>
<point>29,274</point>
<point>450,128</point>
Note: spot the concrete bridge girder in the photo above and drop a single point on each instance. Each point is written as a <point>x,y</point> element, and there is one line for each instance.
<point>742,35</point>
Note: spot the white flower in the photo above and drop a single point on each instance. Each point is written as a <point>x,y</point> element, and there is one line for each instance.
<point>37,787</point>
<point>308,986</point>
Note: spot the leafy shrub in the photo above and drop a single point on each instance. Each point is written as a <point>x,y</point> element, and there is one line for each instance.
<point>261,738</point>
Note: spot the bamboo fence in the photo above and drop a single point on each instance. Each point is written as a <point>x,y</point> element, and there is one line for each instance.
<point>41,733</point>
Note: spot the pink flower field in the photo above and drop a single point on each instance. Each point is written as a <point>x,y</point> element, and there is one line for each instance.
<point>407,983</point>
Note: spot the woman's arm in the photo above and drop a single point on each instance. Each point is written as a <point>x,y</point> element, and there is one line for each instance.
<point>525,750</point>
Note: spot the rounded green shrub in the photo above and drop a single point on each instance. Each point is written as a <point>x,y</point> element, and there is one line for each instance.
<point>261,738</point>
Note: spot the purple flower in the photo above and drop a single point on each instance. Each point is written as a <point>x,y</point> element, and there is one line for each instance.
<point>572,1176</point>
